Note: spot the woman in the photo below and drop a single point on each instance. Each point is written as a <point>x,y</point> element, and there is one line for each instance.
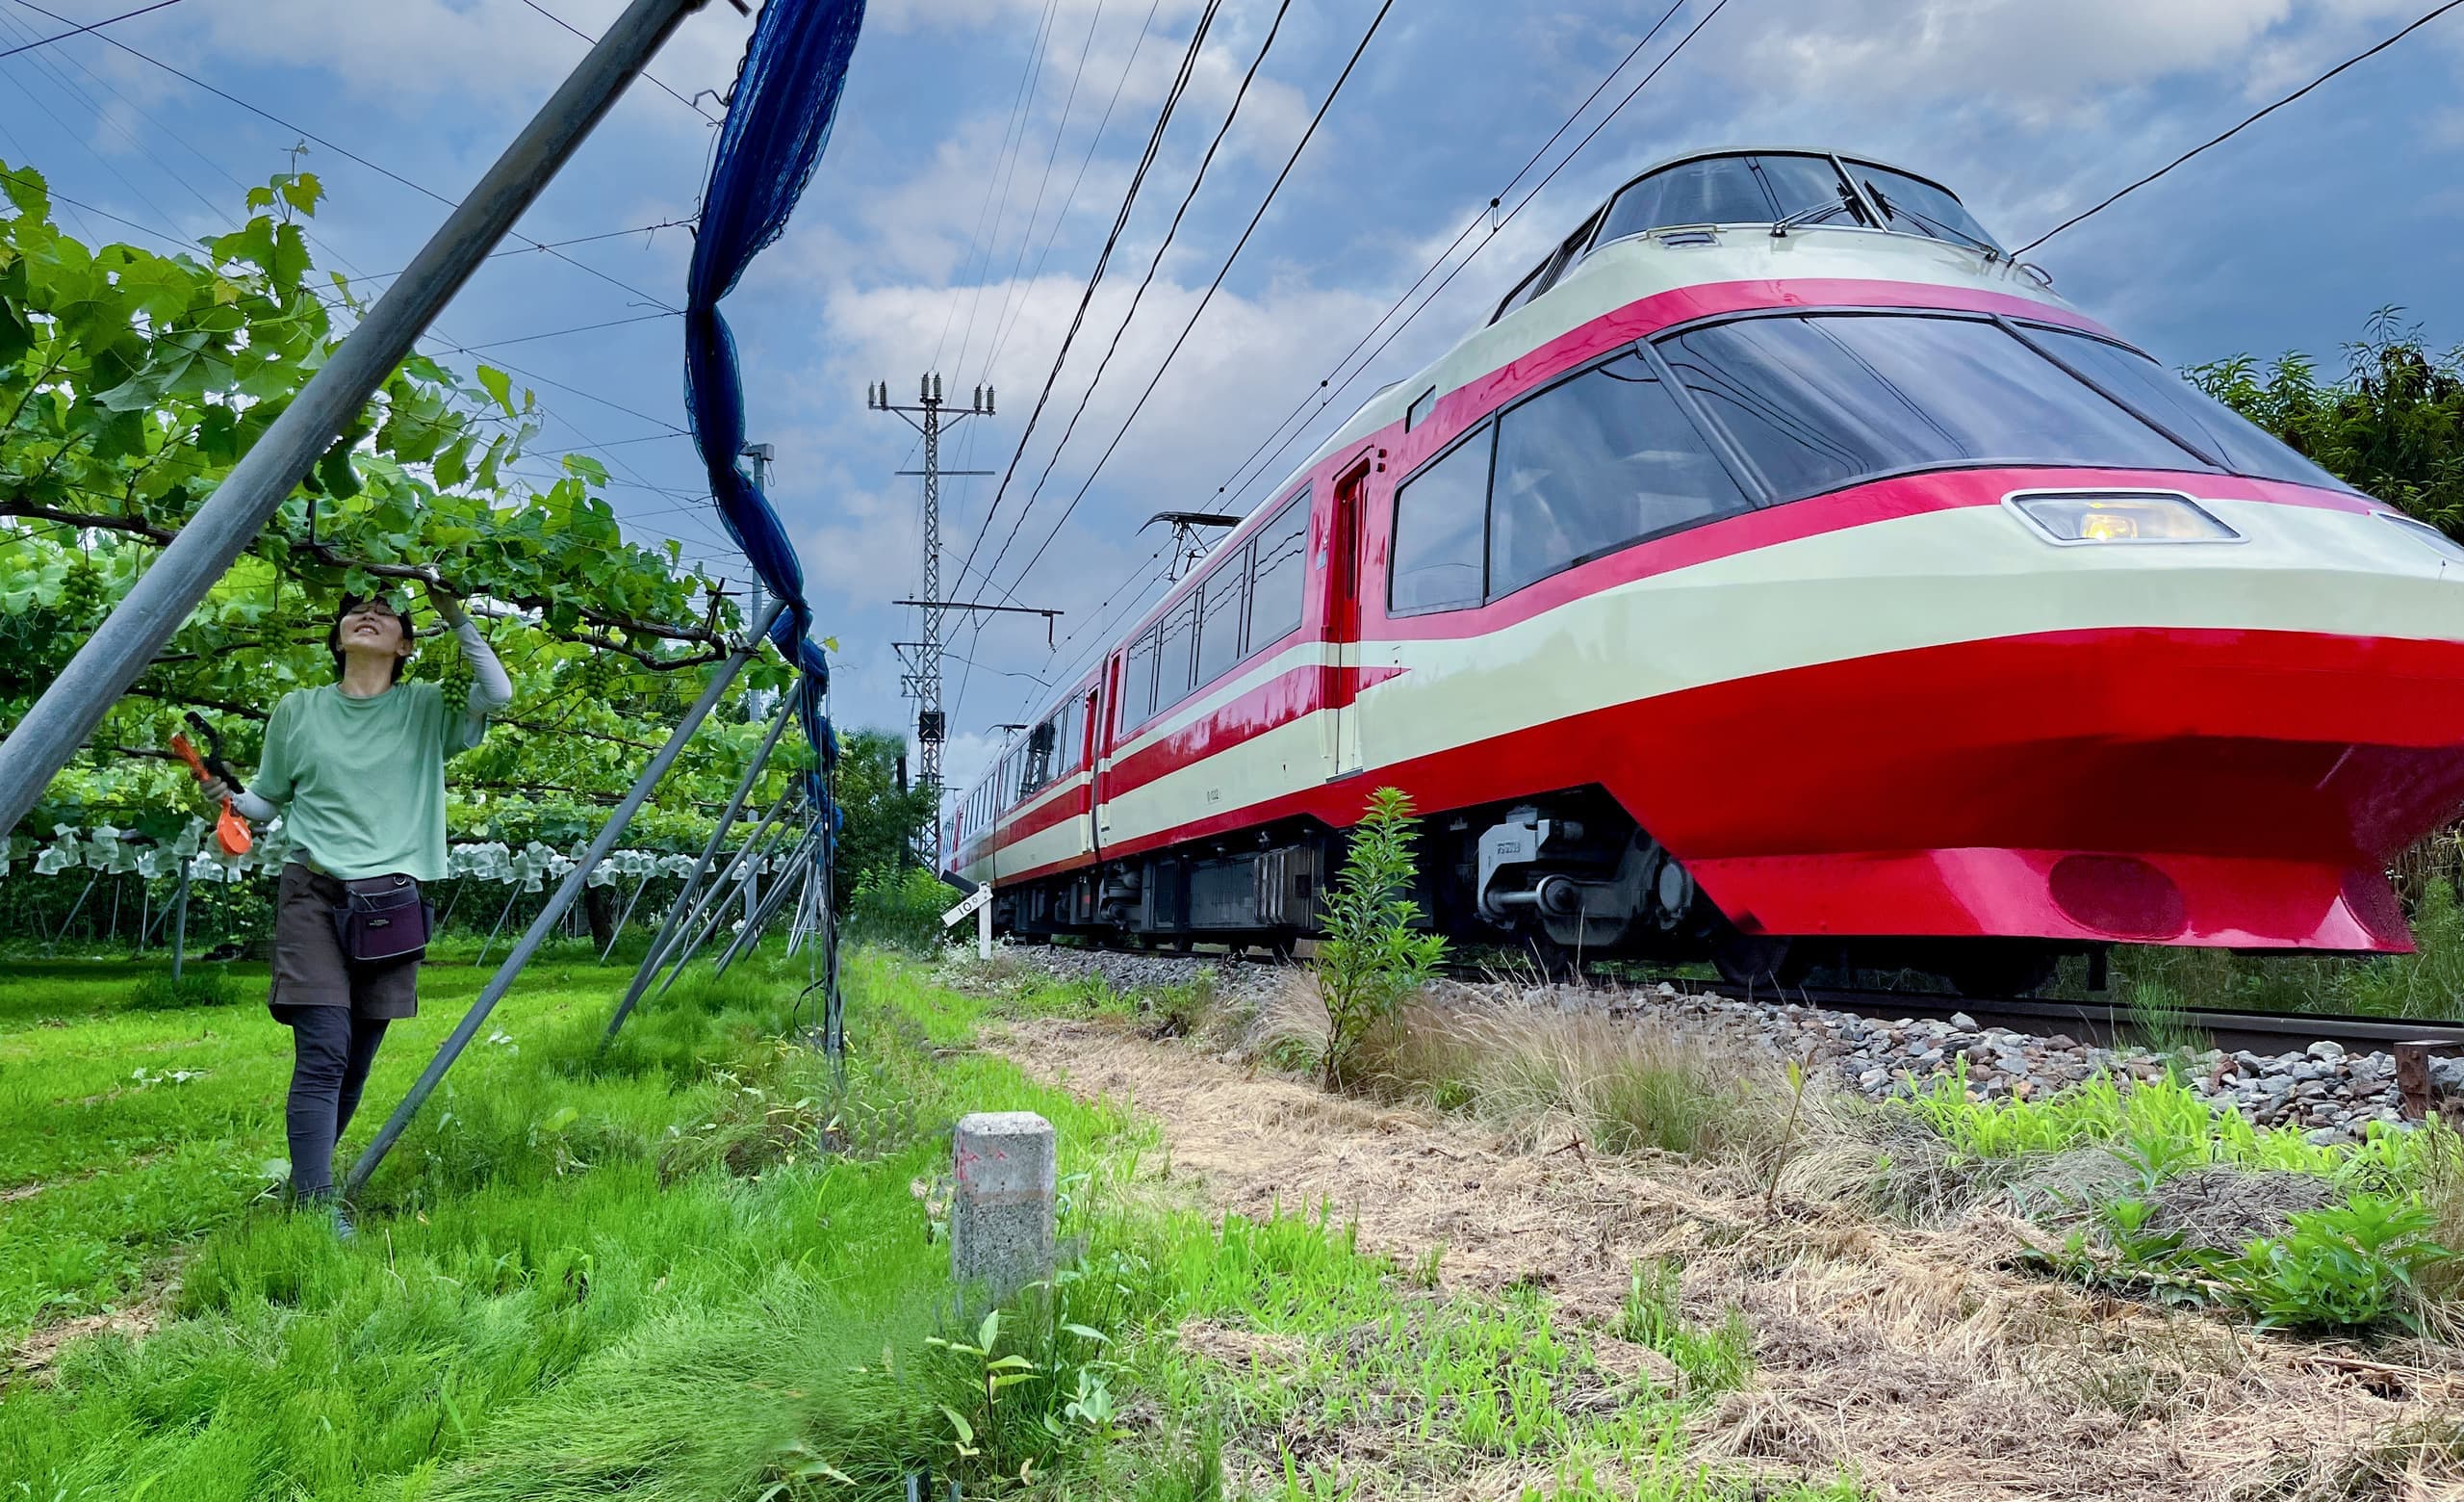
<point>357,769</point>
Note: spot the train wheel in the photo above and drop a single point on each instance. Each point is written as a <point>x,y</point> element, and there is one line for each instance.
<point>1758,960</point>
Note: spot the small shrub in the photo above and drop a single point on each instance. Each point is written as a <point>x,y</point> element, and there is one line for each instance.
<point>199,985</point>
<point>2357,1265</point>
<point>1370,959</point>
<point>900,910</point>
<point>2159,1025</point>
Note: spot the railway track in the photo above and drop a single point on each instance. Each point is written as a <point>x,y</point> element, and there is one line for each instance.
<point>2101,1022</point>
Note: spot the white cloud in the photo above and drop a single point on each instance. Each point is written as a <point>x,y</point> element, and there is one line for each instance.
<point>403,55</point>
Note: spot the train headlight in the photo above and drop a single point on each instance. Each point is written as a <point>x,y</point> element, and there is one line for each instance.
<point>2121,516</point>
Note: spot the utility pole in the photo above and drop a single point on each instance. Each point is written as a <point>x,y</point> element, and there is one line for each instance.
<point>922,680</point>
<point>756,703</point>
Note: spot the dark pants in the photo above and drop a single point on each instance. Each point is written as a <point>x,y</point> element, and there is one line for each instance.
<point>332,1051</point>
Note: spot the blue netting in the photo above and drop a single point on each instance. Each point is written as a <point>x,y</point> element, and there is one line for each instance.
<point>778,122</point>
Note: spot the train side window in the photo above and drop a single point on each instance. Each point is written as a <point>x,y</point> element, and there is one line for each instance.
<point>1817,401</point>
<point>1440,517</point>
<point>1218,625</point>
<point>2180,407</point>
<point>1172,660</point>
<point>1276,578</point>
<point>1592,464</point>
<point>1138,682</point>
<point>1418,412</point>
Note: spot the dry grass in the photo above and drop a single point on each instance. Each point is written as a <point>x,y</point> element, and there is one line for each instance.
<point>1921,1358</point>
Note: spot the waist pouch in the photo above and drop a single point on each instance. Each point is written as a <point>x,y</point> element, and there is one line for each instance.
<point>382,918</point>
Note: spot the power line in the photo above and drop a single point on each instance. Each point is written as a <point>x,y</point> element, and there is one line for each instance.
<point>1222,272</point>
<point>113,20</point>
<point>1596,90</point>
<point>343,151</point>
<point>1026,236</point>
<point>1007,174</point>
<point>1154,264</point>
<point>1103,258</point>
<point>2246,123</point>
<point>559,333</point>
<point>1011,125</point>
<point>1001,332</point>
<point>647,75</point>
<point>1521,204</point>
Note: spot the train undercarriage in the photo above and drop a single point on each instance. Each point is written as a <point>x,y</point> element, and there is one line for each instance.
<point>1561,878</point>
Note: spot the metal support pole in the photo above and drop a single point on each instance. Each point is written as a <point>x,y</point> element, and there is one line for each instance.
<point>74,908</point>
<point>180,929</point>
<point>565,891</point>
<point>247,498</point>
<point>750,933</point>
<point>625,917</point>
<point>748,861</point>
<point>502,913</point>
<point>677,911</point>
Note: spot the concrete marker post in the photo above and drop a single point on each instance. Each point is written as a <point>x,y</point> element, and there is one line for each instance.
<point>1006,1168</point>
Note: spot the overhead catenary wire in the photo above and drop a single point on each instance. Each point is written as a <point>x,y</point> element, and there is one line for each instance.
<point>1043,182</point>
<point>1335,392</point>
<point>1213,287</point>
<point>1011,125</point>
<point>1163,246</point>
<point>1485,215</point>
<point>1008,176</point>
<point>1103,258</point>
<point>2243,124</point>
<point>1001,334</point>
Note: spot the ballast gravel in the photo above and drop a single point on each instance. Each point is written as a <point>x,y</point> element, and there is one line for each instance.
<point>2326,1092</point>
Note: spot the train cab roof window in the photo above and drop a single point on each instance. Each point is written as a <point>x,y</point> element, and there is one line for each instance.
<point>1595,463</point>
<point>2190,414</point>
<point>1418,412</point>
<point>1916,207</point>
<point>1732,190</point>
<point>1543,277</point>
<point>1279,570</point>
<point>1817,401</point>
<point>1440,517</point>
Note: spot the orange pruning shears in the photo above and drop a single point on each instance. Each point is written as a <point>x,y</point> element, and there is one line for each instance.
<point>230,831</point>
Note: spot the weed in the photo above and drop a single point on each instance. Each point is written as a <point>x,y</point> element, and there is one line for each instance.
<point>1713,1361</point>
<point>198,986</point>
<point>2159,1025</point>
<point>900,910</point>
<point>1370,959</point>
<point>1626,1087</point>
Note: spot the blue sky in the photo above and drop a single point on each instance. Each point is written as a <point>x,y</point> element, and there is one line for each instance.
<point>945,190</point>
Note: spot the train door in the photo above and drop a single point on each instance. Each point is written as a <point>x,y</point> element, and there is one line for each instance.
<point>1089,737</point>
<point>1099,748</point>
<point>1343,571</point>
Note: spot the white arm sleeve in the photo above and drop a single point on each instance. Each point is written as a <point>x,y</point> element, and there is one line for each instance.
<point>491,690</point>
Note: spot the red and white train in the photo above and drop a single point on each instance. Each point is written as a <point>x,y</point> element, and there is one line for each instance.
<point>1783,573</point>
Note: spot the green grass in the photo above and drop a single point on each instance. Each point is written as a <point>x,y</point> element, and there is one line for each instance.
<point>698,1267</point>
